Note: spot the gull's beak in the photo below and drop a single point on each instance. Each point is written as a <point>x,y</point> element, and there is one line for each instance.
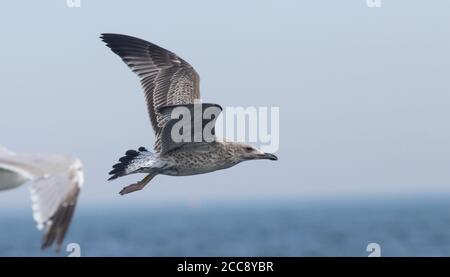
<point>268,156</point>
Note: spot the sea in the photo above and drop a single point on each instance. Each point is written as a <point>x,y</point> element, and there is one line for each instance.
<point>408,227</point>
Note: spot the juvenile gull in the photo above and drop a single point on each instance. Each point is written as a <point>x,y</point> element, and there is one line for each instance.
<point>169,82</point>
<point>55,180</point>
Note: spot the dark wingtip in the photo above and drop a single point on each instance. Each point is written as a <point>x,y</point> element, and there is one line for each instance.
<point>106,36</point>
<point>59,223</point>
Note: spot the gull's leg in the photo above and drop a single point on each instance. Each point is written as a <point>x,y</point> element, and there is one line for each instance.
<point>137,186</point>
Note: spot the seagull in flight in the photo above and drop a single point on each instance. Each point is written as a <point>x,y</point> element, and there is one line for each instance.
<point>171,83</point>
<point>56,181</point>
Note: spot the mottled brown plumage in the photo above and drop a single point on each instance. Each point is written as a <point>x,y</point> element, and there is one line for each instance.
<point>170,82</point>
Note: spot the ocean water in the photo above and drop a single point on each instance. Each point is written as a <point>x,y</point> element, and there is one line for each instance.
<point>321,228</point>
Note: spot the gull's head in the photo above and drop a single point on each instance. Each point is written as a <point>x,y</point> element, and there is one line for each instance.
<point>247,152</point>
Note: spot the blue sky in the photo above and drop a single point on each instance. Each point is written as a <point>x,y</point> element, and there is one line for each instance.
<point>363,92</point>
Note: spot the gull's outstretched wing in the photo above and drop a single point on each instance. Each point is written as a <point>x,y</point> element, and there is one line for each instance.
<point>54,197</point>
<point>166,78</point>
<point>55,185</point>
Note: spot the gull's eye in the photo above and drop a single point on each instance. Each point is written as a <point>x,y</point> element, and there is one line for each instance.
<point>248,149</point>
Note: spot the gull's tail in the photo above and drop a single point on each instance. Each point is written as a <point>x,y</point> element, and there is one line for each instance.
<point>139,161</point>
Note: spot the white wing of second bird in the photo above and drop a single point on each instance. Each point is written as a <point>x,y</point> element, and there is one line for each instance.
<point>55,180</point>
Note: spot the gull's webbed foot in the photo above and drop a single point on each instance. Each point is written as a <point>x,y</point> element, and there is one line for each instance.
<point>138,186</point>
<point>131,188</point>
